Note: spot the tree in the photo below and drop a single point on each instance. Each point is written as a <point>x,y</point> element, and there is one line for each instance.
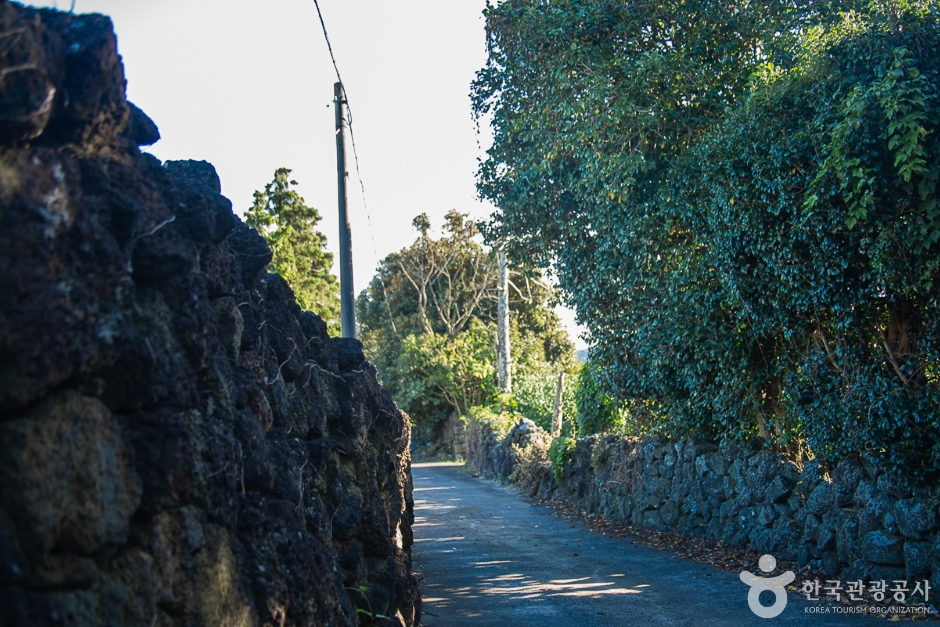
<point>427,321</point>
<point>288,224</point>
<point>452,277</point>
<point>740,201</point>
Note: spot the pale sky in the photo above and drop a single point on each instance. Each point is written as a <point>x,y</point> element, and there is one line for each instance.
<point>249,88</point>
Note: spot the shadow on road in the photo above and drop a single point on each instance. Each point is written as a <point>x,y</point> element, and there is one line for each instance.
<point>488,558</point>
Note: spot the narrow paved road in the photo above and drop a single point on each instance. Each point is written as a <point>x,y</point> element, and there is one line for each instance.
<point>489,558</point>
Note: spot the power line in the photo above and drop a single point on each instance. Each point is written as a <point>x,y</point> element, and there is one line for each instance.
<point>327,38</point>
<point>352,138</point>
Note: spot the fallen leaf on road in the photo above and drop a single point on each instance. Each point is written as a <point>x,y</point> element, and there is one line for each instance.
<point>700,550</point>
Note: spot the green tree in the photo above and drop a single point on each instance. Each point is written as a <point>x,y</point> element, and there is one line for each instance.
<point>427,321</point>
<point>740,201</point>
<point>288,224</point>
<point>455,370</point>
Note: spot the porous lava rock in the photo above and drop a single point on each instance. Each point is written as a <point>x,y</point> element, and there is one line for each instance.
<point>180,444</point>
<point>854,522</point>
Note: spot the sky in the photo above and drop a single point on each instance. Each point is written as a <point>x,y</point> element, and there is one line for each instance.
<point>249,88</point>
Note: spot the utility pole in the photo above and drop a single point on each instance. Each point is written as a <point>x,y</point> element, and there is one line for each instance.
<point>503,362</point>
<point>557,416</point>
<point>347,294</point>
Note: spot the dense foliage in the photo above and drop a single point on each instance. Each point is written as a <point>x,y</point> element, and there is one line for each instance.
<point>596,411</point>
<point>288,225</point>
<point>560,453</point>
<point>428,323</point>
<point>740,201</point>
<point>534,396</point>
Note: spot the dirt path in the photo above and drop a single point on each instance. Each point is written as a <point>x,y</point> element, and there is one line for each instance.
<point>490,558</point>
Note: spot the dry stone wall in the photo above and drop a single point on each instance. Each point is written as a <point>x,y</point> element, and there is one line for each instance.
<point>180,444</point>
<point>496,456</point>
<point>852,521</point>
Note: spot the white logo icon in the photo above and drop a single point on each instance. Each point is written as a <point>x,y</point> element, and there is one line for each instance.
<point>775,584</point>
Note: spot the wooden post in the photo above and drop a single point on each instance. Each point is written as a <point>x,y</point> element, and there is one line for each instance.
<point>503,363</point>
<point>347,293</point>
<point>557,414</point>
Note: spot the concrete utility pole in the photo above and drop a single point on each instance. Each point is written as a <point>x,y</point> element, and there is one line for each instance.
<point>347,293</point>
<point>557,414</point>
<point>503,362</point>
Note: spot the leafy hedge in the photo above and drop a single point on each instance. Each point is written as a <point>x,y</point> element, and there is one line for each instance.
<point>560,453</point>
<point>597,412</point>
<point>740,201</point>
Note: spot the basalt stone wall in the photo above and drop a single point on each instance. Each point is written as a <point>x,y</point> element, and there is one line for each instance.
<point>496,456</point>
<point>852,521</point>
<point>180,444</point>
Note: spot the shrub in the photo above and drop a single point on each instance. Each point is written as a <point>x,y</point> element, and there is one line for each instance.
<point>534,396</point>
<point>561,452</point>
<point>499,422</point>
<point>597,412</point>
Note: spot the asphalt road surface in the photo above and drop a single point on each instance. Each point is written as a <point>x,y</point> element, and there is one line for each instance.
<point>487,557</point>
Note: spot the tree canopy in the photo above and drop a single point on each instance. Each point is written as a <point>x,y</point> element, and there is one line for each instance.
<point>288,224</point>
<point>740,201</point>
<point>428,322</point>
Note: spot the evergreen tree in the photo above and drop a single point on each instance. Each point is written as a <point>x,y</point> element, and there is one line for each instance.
<point>288,224</point>
<point>741,201</point>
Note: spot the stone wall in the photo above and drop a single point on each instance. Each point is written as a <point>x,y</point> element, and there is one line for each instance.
<point>854,521</point>
<point>496,453</point>
<point>180,444</point>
